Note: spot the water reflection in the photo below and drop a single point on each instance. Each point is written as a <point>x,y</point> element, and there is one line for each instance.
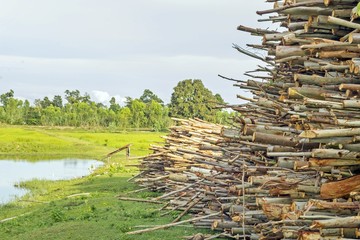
<point>14,171</point>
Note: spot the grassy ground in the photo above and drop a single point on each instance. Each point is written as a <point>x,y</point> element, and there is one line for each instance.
<point>52,211</point>
<point>32,142</point>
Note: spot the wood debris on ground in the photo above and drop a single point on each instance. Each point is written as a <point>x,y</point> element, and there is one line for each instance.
<point>289,168</point>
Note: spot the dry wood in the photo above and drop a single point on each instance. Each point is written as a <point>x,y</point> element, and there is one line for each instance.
<point>171,224</point>
<point>192,204</point>
<point>336,2</point>
<point>340,188</point>
<point>78,195</point>
<point>292,152</point>
<point>354,37</point>
<point>342,22</point>
<point>330,133</point>
<point>139,200</point>
<point>320,81</point>
<point>127,147</point>
<point>353,87</point>
<point>317,162</point>
<point>346,222</point>
<point>289,6</point>
<point>274,139</point>
<point>14,217</point>
<point>335,153</point>
<point>334,205</point>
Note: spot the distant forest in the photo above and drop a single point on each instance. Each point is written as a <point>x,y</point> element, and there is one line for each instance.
<point>190,99</point>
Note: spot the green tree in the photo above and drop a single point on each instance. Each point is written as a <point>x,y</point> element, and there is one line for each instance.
<point>32,115</point>
<point>83,114</point>
<point>26,111</point>
<point>115,107</point>
<point>219,99</point>
<point>191,99</point>
<point>104,116</point>
<point>14,111</point>
<point>124,117</point>
<point>4,98</point>
<point>51,116</point>
<point>45,102</point>
<point>86,98</point>
<point>128,101</point>
<point>11,109</point>
<point>154,114</point>
<point>138,113</point>
<point>57,101</point>
<point>72,96</point>
<point>149,96</point>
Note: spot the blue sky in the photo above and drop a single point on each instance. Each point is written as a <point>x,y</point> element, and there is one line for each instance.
<point>119,48</point>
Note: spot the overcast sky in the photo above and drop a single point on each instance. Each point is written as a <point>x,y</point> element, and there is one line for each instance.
<point>121,47</point>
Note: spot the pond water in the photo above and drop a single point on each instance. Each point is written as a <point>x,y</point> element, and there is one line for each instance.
<point>14,171</point>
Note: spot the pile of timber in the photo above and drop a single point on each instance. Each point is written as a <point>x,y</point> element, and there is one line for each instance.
<point>289,168</point>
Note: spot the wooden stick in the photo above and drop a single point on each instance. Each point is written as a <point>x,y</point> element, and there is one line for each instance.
<point>137,175</point>
<point>187,209</point>
<point>138,190</point>
<point>139,200</point>
<point>127,146</point>
<point>314,2</point>
<point>8,219</point>
<point>342,22</point>
<point>34,201</point>
<point>11,218</point>
<point>172,224</point>
<point>78,194</point>
<point>177,191</point>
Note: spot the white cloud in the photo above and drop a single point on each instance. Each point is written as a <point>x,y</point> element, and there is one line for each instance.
<point>101,96</point>
<point>120,100</point>
<point>104,97</point>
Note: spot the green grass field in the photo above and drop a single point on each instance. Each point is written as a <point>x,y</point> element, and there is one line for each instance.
<point>39,142</point>
<point>52,211</point>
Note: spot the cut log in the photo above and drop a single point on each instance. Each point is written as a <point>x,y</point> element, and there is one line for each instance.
<point>330,133</point>
<point>340,188</point>
<point>317,162</point>
<point>353,87</point>
<point>335,153</point>
<point>288,51</point>
<point>346,222</point>
<point>320,81</point>
<point>342,22</point>
<point>334,205</point>
<point>351,103</point>
<point>274,139</point>
<point>354,38</point>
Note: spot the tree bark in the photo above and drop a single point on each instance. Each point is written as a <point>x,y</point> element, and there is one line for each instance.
<point>330,133</point>
<point>340,188</point>
<point>346,222</point>
<point>342,22</point>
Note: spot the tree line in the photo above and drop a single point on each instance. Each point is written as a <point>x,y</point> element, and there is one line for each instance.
<point>190,99</point>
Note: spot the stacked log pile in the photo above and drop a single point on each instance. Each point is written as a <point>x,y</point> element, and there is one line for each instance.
<point>290,166</point>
